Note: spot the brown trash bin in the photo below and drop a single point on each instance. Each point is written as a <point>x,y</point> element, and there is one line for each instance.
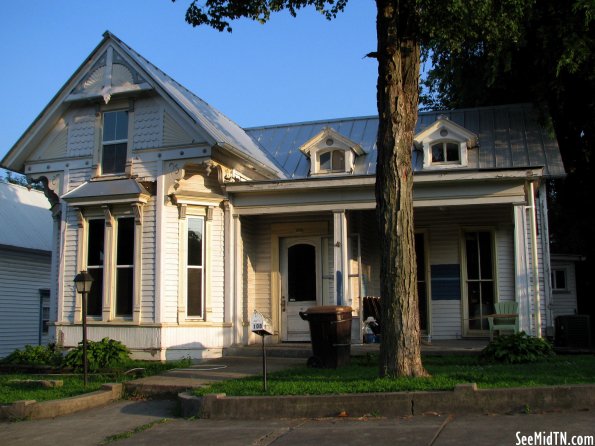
<point>330,333</point>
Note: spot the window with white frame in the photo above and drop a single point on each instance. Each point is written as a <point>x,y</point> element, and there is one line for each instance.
<point>124,266</point>
<point>95,264</point>
<point>332,161</point>
<point>120,275</point>
<point>195,271</point>
<point>559,279</point>
<point>114,142</point>
<point>444,152</point>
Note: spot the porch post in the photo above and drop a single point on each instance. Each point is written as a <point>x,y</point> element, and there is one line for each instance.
<point>239,333</point>
<point>229,261</point>
<point>521,268</point>
<point>340,257</point>
<point>535,260</point>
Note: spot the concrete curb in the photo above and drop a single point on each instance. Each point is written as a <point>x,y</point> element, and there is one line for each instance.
<point>33,410</point>
<point>464,399</point>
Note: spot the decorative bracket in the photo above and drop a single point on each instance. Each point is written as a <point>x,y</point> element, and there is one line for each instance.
<point>182,211</point>
<point>138,213</point>
<point>108,215</point>
<point>80,219</point>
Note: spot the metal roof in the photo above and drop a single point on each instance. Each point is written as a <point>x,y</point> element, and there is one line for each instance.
<point>25,218</point>
<point>219,126</point>
<point>509,136</point>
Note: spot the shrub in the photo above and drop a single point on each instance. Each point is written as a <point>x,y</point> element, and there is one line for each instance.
<point>517,348</point>
<point>35,355</point>
<point>100,355</point>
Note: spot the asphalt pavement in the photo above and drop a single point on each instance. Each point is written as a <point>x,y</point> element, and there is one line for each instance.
<point>156,423</point>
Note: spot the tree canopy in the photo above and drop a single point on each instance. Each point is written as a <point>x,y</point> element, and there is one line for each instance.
<point>552,67</point>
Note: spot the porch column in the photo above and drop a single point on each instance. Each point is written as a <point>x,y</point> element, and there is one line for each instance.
<point>240,335</point>
<point>229,262</point>
<point>340,257</point>
<point>521,268</point>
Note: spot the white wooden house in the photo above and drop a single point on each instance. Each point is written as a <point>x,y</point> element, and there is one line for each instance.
<point>188,222</point>
<point>25,267</point>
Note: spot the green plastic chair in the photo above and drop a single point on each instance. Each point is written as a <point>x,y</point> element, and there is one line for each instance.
<point>504,323</point>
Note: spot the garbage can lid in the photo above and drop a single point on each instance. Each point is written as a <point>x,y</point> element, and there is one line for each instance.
<point>333,309</point>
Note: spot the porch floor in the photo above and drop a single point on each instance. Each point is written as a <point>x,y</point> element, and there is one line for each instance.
<point>304,350</point>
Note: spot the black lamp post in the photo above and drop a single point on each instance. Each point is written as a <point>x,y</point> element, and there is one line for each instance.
<point>83,282</point>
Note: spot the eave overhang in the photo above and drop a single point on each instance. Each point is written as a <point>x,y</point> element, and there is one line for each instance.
<point>431,189</point>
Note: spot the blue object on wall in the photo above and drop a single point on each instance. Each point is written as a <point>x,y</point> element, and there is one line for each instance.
<point>446,282</point>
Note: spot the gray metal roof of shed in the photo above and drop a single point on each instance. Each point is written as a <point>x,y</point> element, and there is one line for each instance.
<point>25,218</point>
<point>509,136</point>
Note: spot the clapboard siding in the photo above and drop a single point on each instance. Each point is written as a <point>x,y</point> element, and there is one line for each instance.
<point>505,256</point>
<point>22,275</point>
<point>260,274</point>
<point>148,263</point>
<point>170,276</point>
<point>147,170</point>
<point>216,266</point>
<point>446,319</point>
<point>564,301</point>
<point>444,228</point>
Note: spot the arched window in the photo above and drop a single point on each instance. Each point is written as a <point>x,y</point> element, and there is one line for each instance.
<point>332,161</point>
<point>446,152</point>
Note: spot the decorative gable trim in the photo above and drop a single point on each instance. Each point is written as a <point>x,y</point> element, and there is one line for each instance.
<point>110,75</point>
<point>329,140</point>
<point>444,131</point>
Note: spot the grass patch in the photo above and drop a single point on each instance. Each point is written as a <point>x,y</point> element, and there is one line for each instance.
<point>361,376</point>
<point>73,383</point>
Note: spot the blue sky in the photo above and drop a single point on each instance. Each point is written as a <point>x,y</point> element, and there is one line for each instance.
<point>289,70</point>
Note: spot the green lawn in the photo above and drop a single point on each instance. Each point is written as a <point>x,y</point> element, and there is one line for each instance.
<point>447,371</point>
<point>73,383</point>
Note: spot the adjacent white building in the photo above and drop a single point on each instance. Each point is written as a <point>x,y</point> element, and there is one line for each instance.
<point>189,222</point>
<point>25,267</point>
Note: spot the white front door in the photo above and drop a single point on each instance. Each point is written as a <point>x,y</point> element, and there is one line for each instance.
<point>300,287</point>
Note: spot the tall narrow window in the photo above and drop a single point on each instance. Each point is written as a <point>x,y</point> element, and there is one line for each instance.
<point>115,142</point>
<point>95,257</point>
<point>125,267</point>
<point>422,296</point>
<point>480,278</point>
<point>195,267</point>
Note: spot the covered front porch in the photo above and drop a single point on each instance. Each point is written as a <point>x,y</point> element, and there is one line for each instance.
<point>301,247</point>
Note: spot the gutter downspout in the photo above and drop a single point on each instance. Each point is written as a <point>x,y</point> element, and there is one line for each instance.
<point>534,260</point>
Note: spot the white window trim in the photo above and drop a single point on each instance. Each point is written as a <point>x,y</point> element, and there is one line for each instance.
<point>553,280</point>
<point>98,153</point>
<point>429,164</point>
<point>463,273</point>
<point>348,157</point>
<point>110,217</point>
<point>187,211</point>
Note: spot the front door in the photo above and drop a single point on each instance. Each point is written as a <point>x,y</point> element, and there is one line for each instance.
<point>300,287</point>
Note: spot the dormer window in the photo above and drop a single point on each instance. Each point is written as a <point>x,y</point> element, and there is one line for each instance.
<point>446,152</point>
<point>332,161</point>
<point>445,144</point>
<point>331,153</point>
<point>114,142</point>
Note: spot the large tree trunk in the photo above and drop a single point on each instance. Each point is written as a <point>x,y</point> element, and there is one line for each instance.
<point>398,73</point>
